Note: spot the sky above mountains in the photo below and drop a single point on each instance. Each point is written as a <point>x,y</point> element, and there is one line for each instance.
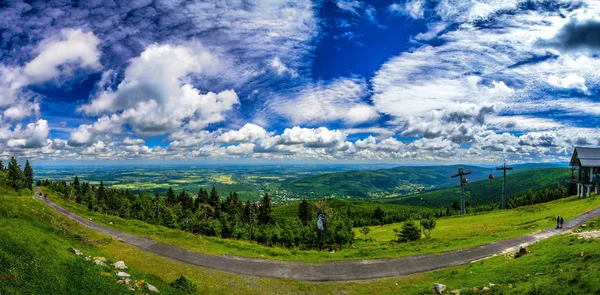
<point>418,81</point>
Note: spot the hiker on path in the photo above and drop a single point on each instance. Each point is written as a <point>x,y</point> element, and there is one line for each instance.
<point>561,221</point>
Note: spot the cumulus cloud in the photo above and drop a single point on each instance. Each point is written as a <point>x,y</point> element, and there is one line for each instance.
<point>156,95</point>
<point>580,34</point>
<point>310,137</point>
<point>132,141</point>
<point>248,133</point>
<point>34,135</point>
<point>340,99</point>
<point>63,55</point>
<point>89,133</point>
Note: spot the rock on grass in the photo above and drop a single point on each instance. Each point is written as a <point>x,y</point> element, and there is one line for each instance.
<point>119,265</point>
<point>439,288</point>
<point>151,288</point>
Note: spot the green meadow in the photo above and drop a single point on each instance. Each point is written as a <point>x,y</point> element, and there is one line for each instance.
<point>450,234</point>
<point>35,257</point>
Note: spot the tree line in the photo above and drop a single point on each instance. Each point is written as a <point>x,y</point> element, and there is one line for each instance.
<point>208,214</point>
<point>17,178</point>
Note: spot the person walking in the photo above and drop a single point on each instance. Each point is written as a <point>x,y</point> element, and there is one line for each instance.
<point>562,221</point>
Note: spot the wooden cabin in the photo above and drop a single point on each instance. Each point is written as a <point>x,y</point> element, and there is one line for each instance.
<point>587,161</point>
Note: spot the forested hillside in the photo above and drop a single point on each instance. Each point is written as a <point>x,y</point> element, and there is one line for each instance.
<point>486,191</point>
<point>376,183</point>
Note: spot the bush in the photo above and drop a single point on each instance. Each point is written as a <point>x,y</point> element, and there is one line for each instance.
<point>409,232</point>
<point>185,285</point>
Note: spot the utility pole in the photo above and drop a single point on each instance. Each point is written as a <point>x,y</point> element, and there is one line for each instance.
<point>504,168</point>
<point>463,181</point>
<point>421,217</point>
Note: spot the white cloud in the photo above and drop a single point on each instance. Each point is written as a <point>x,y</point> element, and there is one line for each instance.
<point>571,81</point>
<point>248,133</point>
<point>311,137</point>
<point>371,15</point>
<point>241,149</point>
<point>132,141</point>
<point>34,135</point>
<point>156,95</point>
<point>340,99</point>
<point>412,8</point>
<point>281,68</point>
<point>61,56</point>
<point>351,6</point>
<point>88,133</point>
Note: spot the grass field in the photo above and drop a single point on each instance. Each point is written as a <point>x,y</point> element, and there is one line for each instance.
<point>35,259</point>
<point>451,233</point>
<point>462,232</point>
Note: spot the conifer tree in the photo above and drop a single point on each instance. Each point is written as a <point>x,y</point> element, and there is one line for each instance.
<point>265,210</point>
<point>101,196</point>
<point>28,171</point>
<point>15,175</point>
<point>305,212</point>
<point>170,197</point>
<point>76,185</point>
<point>214,200</point>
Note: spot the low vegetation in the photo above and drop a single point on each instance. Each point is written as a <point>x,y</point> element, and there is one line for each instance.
<point>450,233</point>
<point>35,256</point>
<point>208,215</point>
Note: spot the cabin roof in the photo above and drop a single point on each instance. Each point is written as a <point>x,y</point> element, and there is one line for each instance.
<point>586,157</point>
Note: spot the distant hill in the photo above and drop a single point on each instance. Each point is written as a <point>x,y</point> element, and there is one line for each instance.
<point>485,191</point>
<point>377,183</point>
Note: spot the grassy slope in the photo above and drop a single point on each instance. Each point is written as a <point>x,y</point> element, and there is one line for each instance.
<point>366,184</point>
<point>25,268</point>
<point>36,257</point>
<point>495,225</point>
<point>485,191</point>
<point>479,229</point>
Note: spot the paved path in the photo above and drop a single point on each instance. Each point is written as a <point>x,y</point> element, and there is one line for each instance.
<point>327,271</point>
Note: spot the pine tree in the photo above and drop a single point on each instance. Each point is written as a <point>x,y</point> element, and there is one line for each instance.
<point>250,217</point>
<point>76,185</point>
<point>2,168</point>
<point>409,232</point>
<point>170,197</point>
<point>28,172</point>
<point>265,210</point>
<point>101,196</point>
<point>305,212</point>
<point>214,200</point>
<point>15,175</point>
<point>378,214</point>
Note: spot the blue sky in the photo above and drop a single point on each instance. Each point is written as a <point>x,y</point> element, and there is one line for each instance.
<point>417,81</point>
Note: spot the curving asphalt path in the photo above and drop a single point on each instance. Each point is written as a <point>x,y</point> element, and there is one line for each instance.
<point>328,271</point>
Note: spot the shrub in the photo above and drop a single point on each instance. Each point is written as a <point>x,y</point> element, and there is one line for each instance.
<point>184,284</point>
<point>409,232</point>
